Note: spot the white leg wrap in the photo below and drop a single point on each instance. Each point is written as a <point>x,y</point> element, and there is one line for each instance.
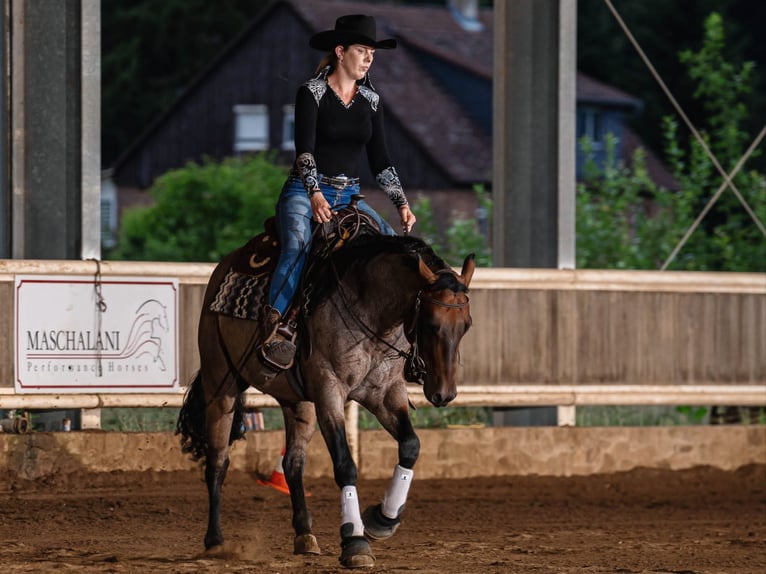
<point>396,495</point>
<point>349,510</point>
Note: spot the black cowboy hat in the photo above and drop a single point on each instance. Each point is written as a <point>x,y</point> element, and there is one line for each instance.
<point>351,29</point>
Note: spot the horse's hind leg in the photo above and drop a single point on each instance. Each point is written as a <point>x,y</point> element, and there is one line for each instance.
<point>219,417</point>
<point>300,421</point>
<point>382,520</point>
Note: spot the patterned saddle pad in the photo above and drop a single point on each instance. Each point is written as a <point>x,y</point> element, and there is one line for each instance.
<point>244,292</point>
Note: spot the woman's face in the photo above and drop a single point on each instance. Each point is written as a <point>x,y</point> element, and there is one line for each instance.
<point>355,60</point>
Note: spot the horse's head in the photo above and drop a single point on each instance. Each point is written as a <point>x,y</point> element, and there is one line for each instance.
<point>443,315</point>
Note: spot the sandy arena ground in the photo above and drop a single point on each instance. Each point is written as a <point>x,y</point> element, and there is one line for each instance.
<point>696,521</point>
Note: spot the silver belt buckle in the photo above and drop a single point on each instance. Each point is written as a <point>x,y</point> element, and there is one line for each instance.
<point>339,182</point>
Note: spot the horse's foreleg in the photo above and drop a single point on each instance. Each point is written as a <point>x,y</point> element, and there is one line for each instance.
<point>300,420</point>
<point>356,551</point>
<point>219,417</point>
<point>382,520</point>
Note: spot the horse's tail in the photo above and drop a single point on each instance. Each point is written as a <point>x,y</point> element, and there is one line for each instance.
<point>191,420</point>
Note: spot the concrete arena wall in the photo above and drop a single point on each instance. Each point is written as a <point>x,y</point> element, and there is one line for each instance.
<point>454,453</point>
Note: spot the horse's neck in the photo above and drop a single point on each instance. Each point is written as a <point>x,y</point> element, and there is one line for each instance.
<point>386,292</point>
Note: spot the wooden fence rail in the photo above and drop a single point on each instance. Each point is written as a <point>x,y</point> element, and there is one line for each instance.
<point>540,338</point>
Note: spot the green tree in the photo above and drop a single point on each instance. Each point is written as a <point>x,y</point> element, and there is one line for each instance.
<point>461,237</point>
<point>623,218</point>
<point>202,212</point>
<point>605,53</point>
<point>728,239</point>
<point>625,221</point>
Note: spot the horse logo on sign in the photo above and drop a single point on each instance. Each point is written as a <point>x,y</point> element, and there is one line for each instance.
<point>144,336</point>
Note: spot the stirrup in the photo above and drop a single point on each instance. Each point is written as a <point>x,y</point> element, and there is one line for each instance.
<point>289,348</point>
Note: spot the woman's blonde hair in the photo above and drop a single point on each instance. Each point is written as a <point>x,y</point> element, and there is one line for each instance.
<point>331,59</point>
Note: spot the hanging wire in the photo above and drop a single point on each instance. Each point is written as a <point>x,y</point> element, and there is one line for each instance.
<point>713,199</point>
<point>727,178</point>
<point>101,308</point>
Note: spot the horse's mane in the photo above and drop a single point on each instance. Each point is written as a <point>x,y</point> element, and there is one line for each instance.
<point>365,249</point>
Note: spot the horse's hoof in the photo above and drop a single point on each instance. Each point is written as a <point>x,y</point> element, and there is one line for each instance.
<point>214,551</point>
<point>377,526</point>
<point>356,553</point>
<point>306,544</point>
<point>224,551</point>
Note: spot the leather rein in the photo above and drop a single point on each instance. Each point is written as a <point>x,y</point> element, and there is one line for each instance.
<point>415,370</point>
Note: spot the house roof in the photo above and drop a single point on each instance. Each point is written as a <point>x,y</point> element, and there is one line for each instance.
<point>415,100</point>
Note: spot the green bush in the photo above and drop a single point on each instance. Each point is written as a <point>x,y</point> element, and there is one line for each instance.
<point>202,212</point>
<point>461,237</point>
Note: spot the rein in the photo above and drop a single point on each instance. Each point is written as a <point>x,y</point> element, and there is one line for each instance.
<point>414,366</point>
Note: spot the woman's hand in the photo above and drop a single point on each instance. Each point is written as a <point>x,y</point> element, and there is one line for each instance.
<point>408,218</point>
<point>320,209</point>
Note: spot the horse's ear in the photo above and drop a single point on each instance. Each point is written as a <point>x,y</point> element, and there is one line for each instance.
<point>469,266</point>
<point>425,272</point>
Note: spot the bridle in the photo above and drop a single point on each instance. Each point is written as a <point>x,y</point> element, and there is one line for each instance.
<point>414,366</point>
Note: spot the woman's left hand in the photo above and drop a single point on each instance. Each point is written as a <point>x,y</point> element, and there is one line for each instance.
<point>408,218</point>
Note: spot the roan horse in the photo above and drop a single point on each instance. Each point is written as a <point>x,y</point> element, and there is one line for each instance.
<point>371,297</point>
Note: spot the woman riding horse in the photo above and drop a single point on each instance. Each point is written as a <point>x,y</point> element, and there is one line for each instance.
<point>372,299</point>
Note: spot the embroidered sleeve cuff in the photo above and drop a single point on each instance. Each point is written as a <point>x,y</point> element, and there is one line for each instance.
<point>306,166</point>
<point>388,180</point>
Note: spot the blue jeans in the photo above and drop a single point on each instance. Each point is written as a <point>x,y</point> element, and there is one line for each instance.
<point>294,227</point>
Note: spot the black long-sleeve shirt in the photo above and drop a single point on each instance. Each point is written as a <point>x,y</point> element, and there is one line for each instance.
<point>336,134</point>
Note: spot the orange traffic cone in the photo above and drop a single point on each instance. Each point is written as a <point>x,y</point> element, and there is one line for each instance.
<point>277,480</point>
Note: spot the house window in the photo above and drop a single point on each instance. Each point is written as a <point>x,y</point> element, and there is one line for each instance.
<point>590,124</point>
<point>108,211</point>
<point>107,234</point>
<point>288,127</point>
<point>251,128</point>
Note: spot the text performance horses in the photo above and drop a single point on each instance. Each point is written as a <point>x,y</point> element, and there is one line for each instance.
<point>380,307</point>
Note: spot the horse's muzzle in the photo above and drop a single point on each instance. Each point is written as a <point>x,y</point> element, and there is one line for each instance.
<point>441,400</point>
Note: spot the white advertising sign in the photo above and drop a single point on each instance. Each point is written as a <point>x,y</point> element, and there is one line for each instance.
<point>117,334</point>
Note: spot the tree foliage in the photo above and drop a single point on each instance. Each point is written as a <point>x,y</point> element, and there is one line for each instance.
<point>462,236</point>
<point>605,53</point>
<point>202,212</point>
<point>625,221</point>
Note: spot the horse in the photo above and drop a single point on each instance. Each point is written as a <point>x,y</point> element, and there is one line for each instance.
<point>372,297</point>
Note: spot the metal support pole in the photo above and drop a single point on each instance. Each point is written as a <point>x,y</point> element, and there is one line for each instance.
<point>90,145</point>
<point>534,145</point>
<point>18,130</point>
